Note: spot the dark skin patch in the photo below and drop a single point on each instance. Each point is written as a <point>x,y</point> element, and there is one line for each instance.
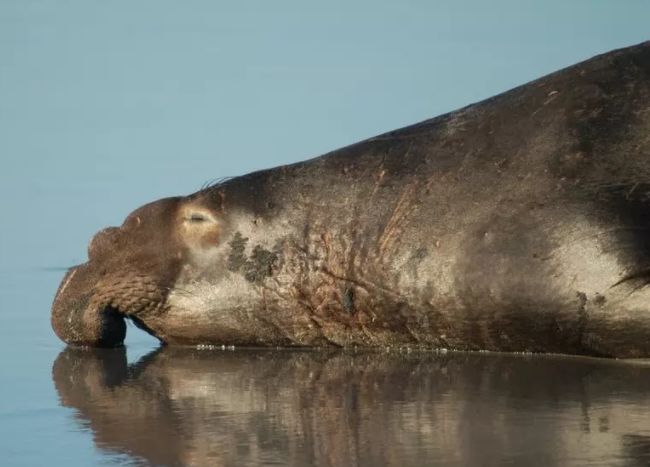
<point>347,300</point>
<point>237,257</point>
<point>599,300</point>
<point>260,264</point>
<point>256,268</point>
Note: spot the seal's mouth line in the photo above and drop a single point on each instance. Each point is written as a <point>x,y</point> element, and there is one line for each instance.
<point>114,310</point>
<point>110,308</point>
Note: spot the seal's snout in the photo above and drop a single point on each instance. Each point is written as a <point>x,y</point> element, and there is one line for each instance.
<point>129,272</point>
<point>77,319</point>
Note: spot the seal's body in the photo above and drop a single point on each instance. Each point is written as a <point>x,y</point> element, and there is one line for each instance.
<point>521,223</point>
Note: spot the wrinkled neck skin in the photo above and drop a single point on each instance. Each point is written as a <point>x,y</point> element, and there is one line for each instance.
<point>297,263</point>
<point>284,257</point>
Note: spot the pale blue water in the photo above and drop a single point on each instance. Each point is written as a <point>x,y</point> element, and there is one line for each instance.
<point>107,105</point>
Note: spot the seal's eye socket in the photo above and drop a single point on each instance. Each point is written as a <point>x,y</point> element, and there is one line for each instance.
<point>196,217</point>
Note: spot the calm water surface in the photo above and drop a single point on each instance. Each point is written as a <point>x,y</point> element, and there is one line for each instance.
<point>144,405</point>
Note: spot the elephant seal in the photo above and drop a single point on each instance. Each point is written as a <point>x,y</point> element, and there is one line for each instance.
<point>521,223</point>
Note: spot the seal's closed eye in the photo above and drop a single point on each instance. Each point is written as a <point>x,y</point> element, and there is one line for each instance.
<point>198,228</point>
<point>196,217</point>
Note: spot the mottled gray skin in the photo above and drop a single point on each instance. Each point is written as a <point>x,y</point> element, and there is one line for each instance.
<point>521,223</point>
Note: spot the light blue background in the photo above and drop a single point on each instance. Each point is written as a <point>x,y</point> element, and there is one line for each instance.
<point>106,105</point>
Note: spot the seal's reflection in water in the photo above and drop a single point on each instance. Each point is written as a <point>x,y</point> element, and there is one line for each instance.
<point>194,407</point>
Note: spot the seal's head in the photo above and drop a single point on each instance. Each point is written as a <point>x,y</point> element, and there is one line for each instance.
<point>130,270</point>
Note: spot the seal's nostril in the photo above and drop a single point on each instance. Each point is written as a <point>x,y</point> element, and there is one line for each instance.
<point>102,241</point>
